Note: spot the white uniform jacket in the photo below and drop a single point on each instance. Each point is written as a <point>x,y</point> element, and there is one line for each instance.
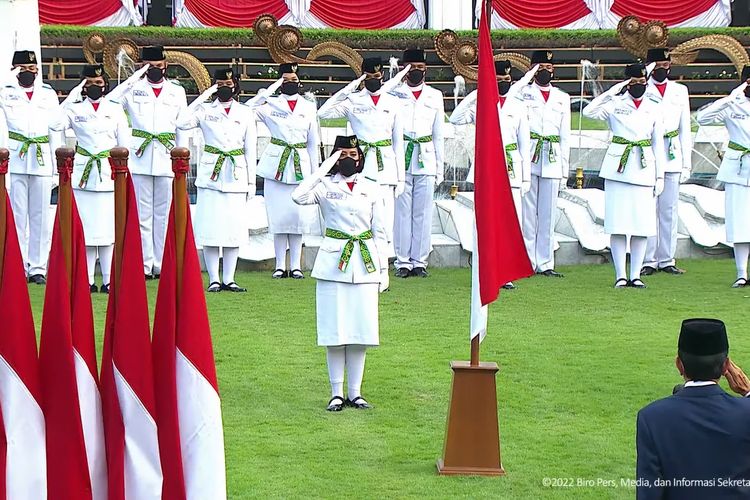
<point>422,118</point>
<point>548,119</point>
<point>96,131</point>
<point>296,128</point>
<point>155,115</point>
<point>371,124</point>
<point>734,112</point>
<point>352,212</point>
<point>232,132</point>
<point>514,126</point>
<point>675,112</point>
<point>644,163</point>
<point>31,118</point>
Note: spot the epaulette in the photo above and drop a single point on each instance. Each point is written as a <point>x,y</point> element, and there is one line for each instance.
<point>175,82</point>
<point>47,86</point>
<point>370,179</point>
<point>653,99</point>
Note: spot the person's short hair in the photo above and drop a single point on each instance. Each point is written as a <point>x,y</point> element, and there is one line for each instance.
<point>703,367</point>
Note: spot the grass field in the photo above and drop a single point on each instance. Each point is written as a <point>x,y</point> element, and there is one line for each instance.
<point>577,360</point>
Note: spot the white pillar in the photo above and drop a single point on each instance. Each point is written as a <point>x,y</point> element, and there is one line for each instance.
<point>21,21</point>
<point>450,14</point>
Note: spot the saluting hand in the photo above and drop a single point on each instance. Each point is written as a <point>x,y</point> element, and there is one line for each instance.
<point>739,90</point>
<point>737,379</point>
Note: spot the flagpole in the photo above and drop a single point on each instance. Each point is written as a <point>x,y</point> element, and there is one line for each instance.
<point>65,207</point>
<point>4,155</point>
<point>180,167</point>
<point>118,160</point>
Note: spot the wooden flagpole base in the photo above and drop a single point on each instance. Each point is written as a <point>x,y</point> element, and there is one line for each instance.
<point>472,438</point>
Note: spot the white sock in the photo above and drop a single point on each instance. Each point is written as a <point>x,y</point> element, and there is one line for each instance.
<point>91,263</point>
<point>336,356</point>
<point>279,249</point>
<point>105,262</point>
<point>355,370</point>
<point>229,263</point>
<point>618,246</point>
<point>211,256</point>
<point>637,254</point>
<point>741,254</point>
<point>295,251</point>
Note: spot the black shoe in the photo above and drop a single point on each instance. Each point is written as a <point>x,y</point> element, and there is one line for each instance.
<point>622,283</point>
<point>157,276</point>
<point>335,404</point>
<point>401,272</point>
<point>93,288</point>
<point>739,283</point>
<point>551,273</point>
<point>647,271</point>
<point>104,289</point>
<point>38,279</point>
<point>233,287</point>
<point>636,283</point>
<point>358,403</point>
<point>671,270</point>
<point>279,274</point>
<point>149,276</point>
<point>214,287</point>
<point>296,274</point>
<point>419,272</point>
<point>509,286</point>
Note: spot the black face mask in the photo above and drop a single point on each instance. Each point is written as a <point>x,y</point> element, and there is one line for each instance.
<point>290,88</point>
<point>543,77</point>
<point>415,77</point>
<point>373,84</point>
<point>348,166</point>
<point>155,75</point>
<point>637,90</point>
<point>94,92</point>
<point>225,93</point>
<point>660,74</point>
<point>747,92</point>
<point>503,87</point>
<point>26,78</point>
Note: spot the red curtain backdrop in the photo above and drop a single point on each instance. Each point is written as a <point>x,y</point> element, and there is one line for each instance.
<point>234,13</point>
<point>542,13</point>
<point>76,11</point>
<point>669,11</point>
<point>362,14</point>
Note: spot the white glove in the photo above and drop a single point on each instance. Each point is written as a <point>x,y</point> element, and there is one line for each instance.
<point>354,84</point>
<point>684,175</point>
<point>739,90</point>
<point>203,97</point>
<point>650,68</point>
<point>385,281</point>
<point>392,83</point>
<point>400,186</point>
<point>439,178</point>
<point>525,188</point>
<point>616,88</point>
<point>74,95</point>
<point>659,186</point>
<point>263,94</point>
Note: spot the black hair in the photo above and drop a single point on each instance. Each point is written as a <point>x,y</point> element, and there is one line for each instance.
<point>697,367</point>
<point>360,167</point>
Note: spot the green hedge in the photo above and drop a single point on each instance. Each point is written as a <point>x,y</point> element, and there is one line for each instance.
<point>374,39</point>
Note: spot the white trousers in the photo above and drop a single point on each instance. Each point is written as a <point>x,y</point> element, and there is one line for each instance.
<point>389,210</point>
<point>413,222</point>
<point>661,248</point>
<point>154,196</point>
<point>538,214</point>
<point>30,200</point>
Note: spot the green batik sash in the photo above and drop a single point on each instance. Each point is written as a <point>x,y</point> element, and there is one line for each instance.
<point>27,142</point>
<point>670,147</point>
<point>739,147</point>
<point>223,155</point>
<point>92,158</point>
<point>165,138</point>
<point>289,149</point>
<point>346,254</point>
<point>410,148</point>
<point>376,145</point>
<point>509,158</point>
<point>626,153</point>
<point>540,140</point>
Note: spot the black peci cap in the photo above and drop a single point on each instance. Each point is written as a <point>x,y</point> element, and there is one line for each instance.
<point>703,337</point>
<point>288,68</point>
<point>345,142</point>
<point>93,70</point>
<point>541,57</point>
<point>413,56</point>
<point>223,74</point>
<point>24,57</point>
<point>657,54</point>
<point>635,70</point>
<point>502,68</point>
<point>372,65</point>
<point>153,53</point>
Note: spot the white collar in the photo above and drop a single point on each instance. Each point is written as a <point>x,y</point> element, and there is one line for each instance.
<point>418,88</point>
<point>546,88</point>
<point>156,85</point>
<point>702,383</point>
<point>293,97</point>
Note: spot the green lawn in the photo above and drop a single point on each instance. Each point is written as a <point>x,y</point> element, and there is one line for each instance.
<point>578,359</point>
<point>587,124</point>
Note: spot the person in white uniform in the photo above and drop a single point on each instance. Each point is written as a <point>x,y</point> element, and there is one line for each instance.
<point>99,125</point>
<point>288,159</point>
<point>734,112</point>
<point>28,107</point>
<point>674,99</point>
<point>351,266</point>
<point>153,105</point>
<point>374,117</point>
<point>225,176</point>
<point>549,122</point>
<point>514,126</point>
<point>632,170</point>
<point>422,116</point>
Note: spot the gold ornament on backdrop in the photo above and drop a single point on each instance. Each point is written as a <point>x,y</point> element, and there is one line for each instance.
<point>461,55</point>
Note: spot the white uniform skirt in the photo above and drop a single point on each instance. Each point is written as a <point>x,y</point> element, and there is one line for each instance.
<point>347,313</point>
<point>629,209</point>
<point>737,213</point>
<point>97,211</point>
<point>285,216</point>
<point>218,218</point>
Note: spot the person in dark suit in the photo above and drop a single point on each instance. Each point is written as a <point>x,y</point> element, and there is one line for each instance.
<point>695,444</point>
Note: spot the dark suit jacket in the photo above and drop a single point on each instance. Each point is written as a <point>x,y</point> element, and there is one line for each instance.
<point>699,433</point>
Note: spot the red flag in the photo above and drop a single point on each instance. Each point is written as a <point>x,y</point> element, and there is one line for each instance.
<point>191,441</point>
<point>70,386</point>
<point>127,374</point>
<point>23,471</point>
<point>502,254</point>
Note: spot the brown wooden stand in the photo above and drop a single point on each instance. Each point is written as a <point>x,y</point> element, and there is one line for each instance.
<point>180,167</point>
<point>65,158</point>
<point>118,160</point>
<point>4,155</point>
